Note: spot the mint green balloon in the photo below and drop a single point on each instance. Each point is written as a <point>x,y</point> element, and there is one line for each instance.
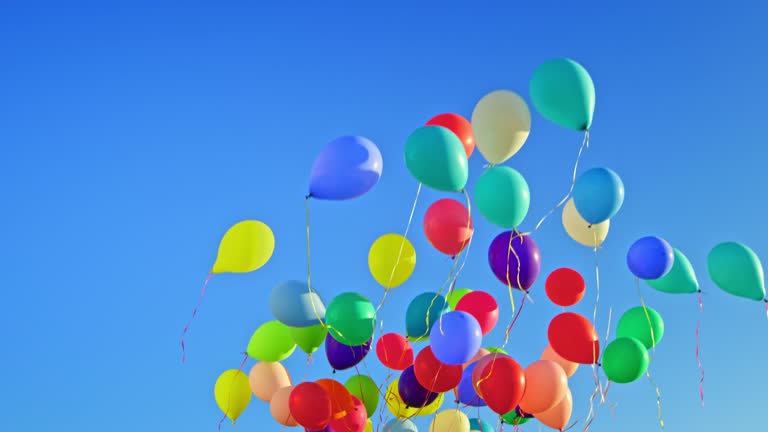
<point>435,156</point>
<point>496,350</point>
<point>736,269</point>
<point>563,92</point>
<point>681,278</point>
<point>625,360</point>
<point>502,196</point>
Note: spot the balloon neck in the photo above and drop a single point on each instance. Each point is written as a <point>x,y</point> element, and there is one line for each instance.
<point>765,300</point>
<point>308,196</point>
<point>334,372</point>
<point>599,364</point>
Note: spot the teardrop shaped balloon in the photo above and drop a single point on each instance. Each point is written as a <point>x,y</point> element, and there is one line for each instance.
<point>558,417</point>
<point>271,342</point>
<point>681,278</point>
<point>341,356</point>
<point>574,338</point>
<point>245,247</point>
<point>346,168</point>
<point>501,122</point>
<point>233,393</point>
<point>435,157</point>
<point>563,92</point>
<point>364,388</point>
<point>309,339</point>
<point>515,262</point>
<point>736,269</point>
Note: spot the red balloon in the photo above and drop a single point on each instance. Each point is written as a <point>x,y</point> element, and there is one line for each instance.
<point>353,420</point>
<point>574,338</point>
<point>394,351</point>
<point>341,398</point>
<point>504,384</point>
<point>459,126</point>
<point>483,307</point>
<point>565,287</point>
<point>480,374</point>
<point>310,405</point>
<point>448,226</point>
<point>434,375</point>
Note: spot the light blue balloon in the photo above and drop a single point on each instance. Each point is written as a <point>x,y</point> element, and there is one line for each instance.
<point>423,311</point>
<point>455,338</point>
<point>292,304</point>
<point>400,425</point>
<point>478,425</point>
<point>598,195</point>
<point>466,389</point>
<point>346,168</point>
<point>563,92</point>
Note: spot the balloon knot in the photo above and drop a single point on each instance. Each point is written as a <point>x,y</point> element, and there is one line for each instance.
<point>765,300</point>
<point>589,226</point>
<point>334,371</point>
<point>306,197</point>
<point>599,364</point>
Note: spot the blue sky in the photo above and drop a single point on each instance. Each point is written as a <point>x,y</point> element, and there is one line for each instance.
<point>133,134</point>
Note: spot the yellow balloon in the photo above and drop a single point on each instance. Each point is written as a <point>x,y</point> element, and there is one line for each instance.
<point>501,123</point>
<point>232,393</point>
<point>582,231</point>
<point>383,258</point>
<point>399,409</point>
<point>245,247</point>
<point>368,426</point>
<point>450,421</point>
<point>432,407</point>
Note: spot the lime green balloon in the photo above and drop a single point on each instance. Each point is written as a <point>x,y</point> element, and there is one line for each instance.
<point>435,156</point>
<point>351,319</point>
<point>625,360</point>
<point>454,296</point>
<point>636,324</point>
<point>681,278</point>
<point>736,269</point>
<point>271,342</point>
<point>512,418</point>
<point>309,339</point>
<point>496,350</point>
<point>366,390</point>
<point>502,196</point>
<point>563,92</point>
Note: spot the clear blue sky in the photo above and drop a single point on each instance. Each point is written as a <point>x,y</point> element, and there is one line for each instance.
<point>134,133</point>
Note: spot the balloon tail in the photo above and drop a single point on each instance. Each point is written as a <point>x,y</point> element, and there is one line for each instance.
<point>309,263</point>
<point>658,398</point>
<point>597,284</point>
<point>698,348</point>
<point>592,414</point>
<point>194,312</point>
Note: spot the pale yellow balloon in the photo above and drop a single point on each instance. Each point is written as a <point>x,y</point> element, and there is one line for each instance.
<point>391,260</point>
<point>280,409</point>
<point>245,247</point>
<point>450,421</point>
<point>267,378</point>
<point>501,123</point>
<point>582,231</point>
<point>232,393</point>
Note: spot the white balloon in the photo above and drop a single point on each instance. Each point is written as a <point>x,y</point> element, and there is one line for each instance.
<point>501,123</point>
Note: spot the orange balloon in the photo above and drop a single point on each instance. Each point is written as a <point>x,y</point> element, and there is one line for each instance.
<point>267,378</point>
<point>341,399</point>
<point>568,366</point>
<point>559,415</point>
<point>280,409</point>
<point>545,386</point>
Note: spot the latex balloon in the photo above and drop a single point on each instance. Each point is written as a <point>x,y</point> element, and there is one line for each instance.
<point>431,408</point>
<point>341,400</point>
<point>450,421</point>
<point>643,324</point>
<point>245,247</point>
<point>501,121</point>
<point>565,287</point>
<point>365,389</point>
<point>492,350</point>
<point>295,305</point>
<point>478,425</point>
<point>625,360</point>
<point>309,339</point>
<point>422,313</point>
<point>483,307</point>
<point>516,417</point>
<point>412,392</point>
<point>546,384</point>
<point>581,231</point>
<point>456,338</point>
<point>233,393</point>
<point>650,257</point>
<point>569,367</point>
<point>435,157</point>
<point>346,168</point>
<point>466,391</point>
<point>434,375</point>
<point>448,226</point>
<point>563,92</point>
<point>310,405</point>
<point>558,416</point>
<point>459,126</point>
<point>279,407</point>
<point>391,260</point>
<point>271,342</point>
<point>351,319</point>
<point>394,351</point>
<point>482,352</point>
<point>502,196</point>
<point>267,378</point>
<point>736,269</point>
<point>399,409</point>
<point>574,338</point>
<point>341,356</point>
<point>353,420</point>
<point>400,425</point>
<point>455,295</point>
<point>681,278</point>
<point>598,195</point>
<point>480,373</point>
<point>517,266</point>
<point>504,384</point>
<point>369,426</point>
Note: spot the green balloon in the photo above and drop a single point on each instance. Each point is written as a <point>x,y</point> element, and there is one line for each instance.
<point>736,269</point>
<point>456,295</point>
<point>625,360</point>
<point>496,350</point>
<point>435,156</point>
<point>512,418</point>
<point>351,319</point>
<point>366,390</point>
<point>271,342</point>
<point>681,278</point>
<point>636,324</point>
<point>309,339</point>
<point>563,92</point>
<point>503,197</point>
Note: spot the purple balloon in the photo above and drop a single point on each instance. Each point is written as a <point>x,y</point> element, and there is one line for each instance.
<point>466,390</point>
<point>650,258</point>
<point>342,356</point>
<point>412,392</point>
<point>505,269</point>
<point>347,168</point>
<point>522,414</point>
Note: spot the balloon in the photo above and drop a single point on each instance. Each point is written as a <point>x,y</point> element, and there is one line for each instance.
<point>455,295</point>
<point>391,260</point>
<point>232,393</point>
<point>736,269</point>
<point>412,392</point>
<point>341,400</point>
<point>565,287</point>
<point>309,339</point>
<point>581,231</point>
<point>492,350</point>
<point>341,356</point>
<point>574,338</point>
<point>310,405</point>
<point>558,416</point>
<point>503,384</point>
<point>448,226</point>
<point>625,360</point>
<point>502,196</point>
<point>456,338</point>
<point>504,260</point>
<point>346,168</point>
<point>245,247</point>
<point>650,258</point>
<point>293,304</point>
<point>366,390</point>
<point>400,425</point>
<point>400,410</point>
<point>563,92</point>
<point>422,313</point>
<point>450,421</point>
<point>435,157</point>
<point>353,420</point>
<point>545,386</point>
<point>279,407</point>
<point>568,366</point>
<point>478,425</point>
<point>501,121</point>
<point>267,378</point>
<point>271,342</point>
<point>434,375</point>
<point>681,279</point>
<point>643,324</point>
<point>394,351</point>
<point>459,126</point>
<point>483,307</point>
<point>516,417</point>
<point>351,319</point>
<point>598,195</point>
<point>431,408</point>
<point>368,426</point>
<point>482,352</point>
<point>466,391</point>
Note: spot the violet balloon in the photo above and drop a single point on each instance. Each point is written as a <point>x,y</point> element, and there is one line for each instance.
<point>342,356</point>
<point>346,168</point>
<point>504,262</point>
<point>412,392</point>
<point>466,389</point>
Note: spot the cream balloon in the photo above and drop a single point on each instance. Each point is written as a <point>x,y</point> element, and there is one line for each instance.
<point>501,122</point>
<point>582,231</point>
<point>569,367</point>
<point>450,421</point>
<point>266,378</point>
<point>279,408</point>
<point>558,416</point>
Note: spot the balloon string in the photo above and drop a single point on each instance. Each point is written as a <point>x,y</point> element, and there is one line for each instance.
<point>597,282</point>
<point>653,350</point>
<point>765,300</point>
<point>194,312</point>
<point>229,394</point>
<point>658,397</point>
<point>698,350</point>
<point>468,243</point>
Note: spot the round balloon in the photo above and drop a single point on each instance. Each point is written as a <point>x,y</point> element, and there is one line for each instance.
<point>279,408</point>
<point>450,421</point>
<point>598,194</point>
<point>466,392</point>
<point>478,425</point>
<point>568,366</point>
<point>351,319</point>
<point>309,339</point>
<point>643,324</point>
<point>563,92</point>
<point>400,425</point>
<point>365,389</point>
<point>394,351</point>
<point>681,278</point>
<point>581,231</point>
<point>565,287</point>
<point>391,260</point>
<point>504,384</point>
<point>266,378</point>
<point>650,257</point>
<point>736,269</point>
<point>435,157</point>
<point>341,356</point>
<point>271,342</point>
<point>515,259</point>
<point>422,313</point>
<point>412,392</point>
<point>310,405</point>
<point>233,393</point>
<point>459,126</point>
<point>558,416</point>
<point>516,417</point>
<point>625,360</point>
<point>455,338</point>
<point>448,226</point>
<point>545,384</point>
<point>434,375</point>
<point>455,295</point>
<point>346,168</point>
<point>295,305</point>
<point>574,338</point>
<point>352,420</point>
<point>501,121</point>
<point>483,307</point>
<point>341,400</point>
<point>502,196</point>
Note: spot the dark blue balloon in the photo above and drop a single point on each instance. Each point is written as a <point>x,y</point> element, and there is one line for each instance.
<point>466,390</point>
<point>650,258</point>
<point>412,392</point>
<point>347,168</point>
<point>342,356</point>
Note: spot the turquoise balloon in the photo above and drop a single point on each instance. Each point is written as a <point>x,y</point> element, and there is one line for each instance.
<point>478,425</point>
<point>400,425</point>
<point>435,156</point>
<point>502,196</point>
<point>736,269</point>
<point>681,279</point>
<point>422,313</point>
<point>563,92</point>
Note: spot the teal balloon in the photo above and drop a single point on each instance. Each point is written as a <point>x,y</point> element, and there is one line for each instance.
<point>502,196</point>
<point>563,92</point>
<point>478,425</point>
<point>736,269</point>
<point>400,425</point>
<point>435,156</point>
<point>681,278</point>
<point>422,313</point>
